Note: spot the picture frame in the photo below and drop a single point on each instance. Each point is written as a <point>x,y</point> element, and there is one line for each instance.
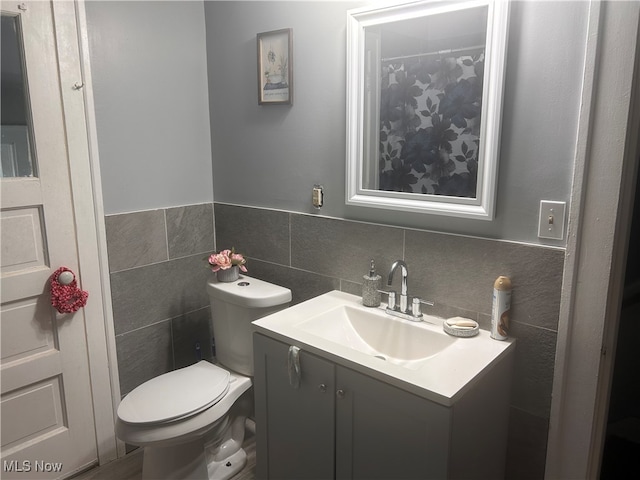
<point>275,69</point>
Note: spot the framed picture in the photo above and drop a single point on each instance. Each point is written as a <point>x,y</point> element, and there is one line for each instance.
<point>275,72</point>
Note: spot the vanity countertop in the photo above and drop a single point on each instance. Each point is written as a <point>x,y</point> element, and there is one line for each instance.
<point>442,377</point>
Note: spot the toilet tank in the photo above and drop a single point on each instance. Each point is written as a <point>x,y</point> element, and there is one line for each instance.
<point>234,305</point>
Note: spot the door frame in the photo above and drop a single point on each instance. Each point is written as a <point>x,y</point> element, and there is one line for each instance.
<point>606,160</point>
<point>86,186</point>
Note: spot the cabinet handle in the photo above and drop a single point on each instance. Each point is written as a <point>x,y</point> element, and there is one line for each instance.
<point>322,387</point>
<point>340,393</point>
<point>293,366</point>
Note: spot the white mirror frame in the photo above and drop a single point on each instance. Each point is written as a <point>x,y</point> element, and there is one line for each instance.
<point>483,206</point>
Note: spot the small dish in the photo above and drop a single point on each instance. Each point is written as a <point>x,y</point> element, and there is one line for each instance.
<point>461,327</point>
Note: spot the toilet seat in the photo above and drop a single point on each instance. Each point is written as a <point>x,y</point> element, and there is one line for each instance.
<point>186,427</point>
<point>175,395</point>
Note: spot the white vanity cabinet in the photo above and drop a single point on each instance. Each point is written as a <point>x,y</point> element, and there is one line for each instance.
<point>344,424</point>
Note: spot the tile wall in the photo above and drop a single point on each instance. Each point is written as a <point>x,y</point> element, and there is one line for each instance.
<point>161,309</point>
<point>158,276</point>
<point>312,255</point>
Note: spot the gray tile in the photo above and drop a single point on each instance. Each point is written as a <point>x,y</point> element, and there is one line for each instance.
<point>440,267</point>
<point>190,230</point>
<point>136,239</point>
<point>343,249</point>
<point>484,319</point>
<point>537,286</point>
<point>146,295</point>
<point>303,285</point>
<point>527,446</point>
<point>144,354</point>
<point>533,370</point>
<point>256,233</point>
<point>354,288</point>
<point>191,337</point>
<point>443,311</point>
<point>460,271</point>
<point>446,311</point>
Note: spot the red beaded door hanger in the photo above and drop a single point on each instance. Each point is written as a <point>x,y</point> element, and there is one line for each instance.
<point>66,297</point>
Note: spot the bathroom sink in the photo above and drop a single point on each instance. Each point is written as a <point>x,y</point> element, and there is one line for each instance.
<point>416,356</point>
<point>373,332</point>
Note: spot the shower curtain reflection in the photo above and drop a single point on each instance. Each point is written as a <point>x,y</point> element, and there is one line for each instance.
<point>430,108</point>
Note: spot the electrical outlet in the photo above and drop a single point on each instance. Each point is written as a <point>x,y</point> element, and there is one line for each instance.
<point>551,219</point>
<point>317,196</point>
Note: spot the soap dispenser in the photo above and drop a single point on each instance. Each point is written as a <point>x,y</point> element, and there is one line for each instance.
<point>371,288</point>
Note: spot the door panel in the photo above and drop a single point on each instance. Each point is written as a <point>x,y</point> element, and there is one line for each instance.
<point>383,432</point>
<point>23,241</point>
<point>32,411</point>
<point>295,426</point>
<point>21,320</point>
<point>47,411</point>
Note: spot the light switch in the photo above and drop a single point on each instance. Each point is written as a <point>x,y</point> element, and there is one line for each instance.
<point>551,220</point>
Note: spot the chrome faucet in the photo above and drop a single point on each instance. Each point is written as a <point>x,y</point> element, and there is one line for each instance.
<point>404,302</point>
<point>403,310</point>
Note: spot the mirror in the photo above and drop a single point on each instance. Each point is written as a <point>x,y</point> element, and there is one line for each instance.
<point>424,102</point>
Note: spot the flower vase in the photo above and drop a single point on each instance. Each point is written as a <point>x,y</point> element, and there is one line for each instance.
<point>228,275</point>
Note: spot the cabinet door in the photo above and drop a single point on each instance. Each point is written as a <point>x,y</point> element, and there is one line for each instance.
<point>294,426</point>
<point>383,432</point>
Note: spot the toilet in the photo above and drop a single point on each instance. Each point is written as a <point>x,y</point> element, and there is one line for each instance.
<point>191,421</point>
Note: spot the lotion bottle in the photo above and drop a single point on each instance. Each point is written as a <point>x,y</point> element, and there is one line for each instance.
<point>371,288</point>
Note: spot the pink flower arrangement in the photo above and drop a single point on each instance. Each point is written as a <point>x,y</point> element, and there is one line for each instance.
<point>227,259</point>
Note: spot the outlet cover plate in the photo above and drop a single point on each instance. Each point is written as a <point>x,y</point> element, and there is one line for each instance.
<point>551,219</point>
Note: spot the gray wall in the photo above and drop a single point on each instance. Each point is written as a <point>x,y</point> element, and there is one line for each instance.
<point>283,150</point>
<point>150,88</point>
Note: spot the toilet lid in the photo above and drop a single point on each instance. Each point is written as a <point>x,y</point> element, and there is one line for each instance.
<point>175,394</point>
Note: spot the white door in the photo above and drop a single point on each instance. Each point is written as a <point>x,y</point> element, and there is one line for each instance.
<point>48,426</point>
